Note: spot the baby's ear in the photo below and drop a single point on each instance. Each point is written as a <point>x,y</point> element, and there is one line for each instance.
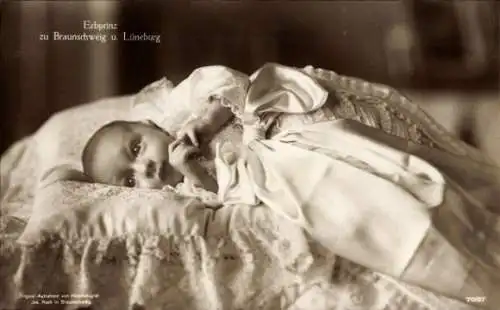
<point>64,173</point>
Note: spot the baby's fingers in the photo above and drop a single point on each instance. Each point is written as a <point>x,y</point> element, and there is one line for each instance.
<point>174,145</point>
<point>191,134</point>
<point>189,151</point>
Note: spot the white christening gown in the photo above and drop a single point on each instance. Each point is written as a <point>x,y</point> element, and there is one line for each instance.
<point>356,190</point>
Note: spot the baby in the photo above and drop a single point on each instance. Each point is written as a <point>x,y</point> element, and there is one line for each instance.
<point>150,154</point>
<point>143,155</point>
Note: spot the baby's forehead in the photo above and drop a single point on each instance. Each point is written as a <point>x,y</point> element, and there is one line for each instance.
<point>114,130</point>
<point>110,136</point>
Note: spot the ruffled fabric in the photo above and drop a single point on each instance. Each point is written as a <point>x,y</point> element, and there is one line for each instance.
<point>234,258</point>
<point>171,107</point>
<point>186,188</point>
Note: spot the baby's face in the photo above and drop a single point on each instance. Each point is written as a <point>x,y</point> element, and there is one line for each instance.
<point>133,154</point>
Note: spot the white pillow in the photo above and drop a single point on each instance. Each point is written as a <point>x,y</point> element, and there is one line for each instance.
<point>62,138</point>
<point>75,210</point>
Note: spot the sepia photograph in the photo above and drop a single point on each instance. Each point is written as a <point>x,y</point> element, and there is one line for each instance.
<point>250,155</point>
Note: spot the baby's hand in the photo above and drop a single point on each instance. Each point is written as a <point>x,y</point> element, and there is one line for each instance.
<point>180,152</point>
<point>192,130</point>
<point>180,155</point>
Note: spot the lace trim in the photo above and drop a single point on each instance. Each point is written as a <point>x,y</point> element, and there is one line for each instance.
<point>150,90</point>
<point>186,188</point>
<point>236,109</point>
<point>346,285</point>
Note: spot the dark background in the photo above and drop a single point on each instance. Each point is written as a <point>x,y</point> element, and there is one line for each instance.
<point>425,45</point>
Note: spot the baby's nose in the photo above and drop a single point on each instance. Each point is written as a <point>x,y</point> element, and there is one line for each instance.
<point>145,167</point>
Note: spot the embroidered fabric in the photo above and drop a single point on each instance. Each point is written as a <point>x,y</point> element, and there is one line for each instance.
<point>239,258</point>
<point>373,103</point>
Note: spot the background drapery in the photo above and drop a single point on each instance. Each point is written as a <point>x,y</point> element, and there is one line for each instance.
<point>449,58</point>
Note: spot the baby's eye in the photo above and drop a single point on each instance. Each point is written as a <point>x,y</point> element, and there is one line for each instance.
<point>135,148</point>
<point>130,181</point>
